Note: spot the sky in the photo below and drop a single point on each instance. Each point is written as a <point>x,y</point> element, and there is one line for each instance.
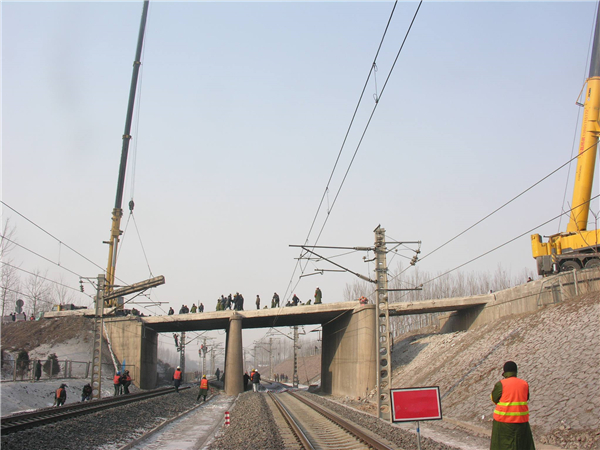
<point>241,112</point>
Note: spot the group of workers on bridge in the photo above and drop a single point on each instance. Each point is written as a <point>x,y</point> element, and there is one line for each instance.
<point>185,310</point>
<point>236,303</point>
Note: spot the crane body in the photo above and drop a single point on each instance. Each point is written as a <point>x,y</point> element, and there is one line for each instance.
<point>578,247</point>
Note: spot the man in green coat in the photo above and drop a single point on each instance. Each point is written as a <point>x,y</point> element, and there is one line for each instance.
<point>318,296</point>
<point>510,429</point>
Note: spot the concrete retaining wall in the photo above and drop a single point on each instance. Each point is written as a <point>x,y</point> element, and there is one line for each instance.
<point>522,299</point>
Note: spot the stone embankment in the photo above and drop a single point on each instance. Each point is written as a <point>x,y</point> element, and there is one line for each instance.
<point>557,350</point>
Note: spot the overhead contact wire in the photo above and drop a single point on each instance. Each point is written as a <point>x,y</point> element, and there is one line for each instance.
<point>298,263</point>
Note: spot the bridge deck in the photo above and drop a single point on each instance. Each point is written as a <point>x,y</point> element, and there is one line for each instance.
<point>288,316</point>
<point>301,315</point>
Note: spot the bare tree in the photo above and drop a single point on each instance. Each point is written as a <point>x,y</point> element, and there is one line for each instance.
<point>357,290</point>
<point>9,278</point>
<point>61,293</point>
<point>39,292</point>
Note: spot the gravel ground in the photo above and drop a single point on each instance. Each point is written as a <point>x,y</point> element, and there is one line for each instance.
<point>402,438</point>
<point>105,429</point>
<point>252,426</point>
<point>557,350</point>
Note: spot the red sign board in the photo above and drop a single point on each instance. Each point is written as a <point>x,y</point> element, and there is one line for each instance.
<point>413,404</point>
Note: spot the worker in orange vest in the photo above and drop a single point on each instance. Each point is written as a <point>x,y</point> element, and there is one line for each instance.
<point>510,429</point>
<point>61,395</point>
<point>117,383</point>
<point>177,378</point>
<point>203,388</point>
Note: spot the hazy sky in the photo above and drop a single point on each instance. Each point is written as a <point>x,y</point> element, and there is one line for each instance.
<point>242,112</point>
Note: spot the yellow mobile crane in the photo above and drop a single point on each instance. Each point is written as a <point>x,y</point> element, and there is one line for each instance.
<point>117,213</point>
<point>578,247</point>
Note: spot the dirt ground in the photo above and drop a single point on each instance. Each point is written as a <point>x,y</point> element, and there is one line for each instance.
<point>32,334</point>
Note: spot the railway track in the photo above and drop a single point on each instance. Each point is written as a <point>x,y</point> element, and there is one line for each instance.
<point>317,428</point>
<point>23,421</point>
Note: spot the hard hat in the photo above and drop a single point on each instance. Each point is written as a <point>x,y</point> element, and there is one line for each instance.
<point>178,368</point>
<point>118,372</point>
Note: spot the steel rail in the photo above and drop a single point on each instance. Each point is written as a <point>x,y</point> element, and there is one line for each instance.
<point>367,439</point>
<point>22,421</point>
<point>292,423</point>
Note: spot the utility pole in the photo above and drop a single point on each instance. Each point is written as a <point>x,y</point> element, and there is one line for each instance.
<point>97,348</point>
<point>182,354</point>
<point>384,363</point>
<point>204,357</point>
<point>271,358</point>
<point>212,360</point>
<point>295,380</point>
<point>384,373</point>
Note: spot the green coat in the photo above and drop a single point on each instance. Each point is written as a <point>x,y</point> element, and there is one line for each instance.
<point>509,436</point>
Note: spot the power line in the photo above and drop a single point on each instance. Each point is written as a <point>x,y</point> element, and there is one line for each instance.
<point>510,201</point>
<point>44,278</point>
<point>51,235</point>
<point>501,245</point>
<point>298,264</point>
<point>60,242</point>
<point>326,191</point>
<point>40,256</point>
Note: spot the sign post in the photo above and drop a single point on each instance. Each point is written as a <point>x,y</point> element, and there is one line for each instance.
<point>415,405</point>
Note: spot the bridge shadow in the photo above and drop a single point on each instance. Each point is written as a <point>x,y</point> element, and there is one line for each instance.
<point>407,349</point>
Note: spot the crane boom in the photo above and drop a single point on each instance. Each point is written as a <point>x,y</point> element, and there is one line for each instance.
<point>590,129</point>
<point>117,213</point>
<point>578,247</point>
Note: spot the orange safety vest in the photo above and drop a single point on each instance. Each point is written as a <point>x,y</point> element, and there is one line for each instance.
<point>204,383</point>
<point>512,406</point>
<point>117,379</point>
<point>177,375</point>
<point>59,392</point>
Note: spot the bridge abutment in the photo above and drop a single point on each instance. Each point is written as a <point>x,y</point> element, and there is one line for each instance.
<point>348,360</point>
<point>137,345</point>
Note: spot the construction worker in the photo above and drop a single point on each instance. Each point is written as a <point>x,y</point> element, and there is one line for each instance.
<point>318,296</point>
<point>510,429</point>
<point>60,397</point>
<point>203,388</point>
<point>86,393</point>
<point>255,378</point>
<point>117,383</point>
<point>126,382</point>
<point>177,378</point>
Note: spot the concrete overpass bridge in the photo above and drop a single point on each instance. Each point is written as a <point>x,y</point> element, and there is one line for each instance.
<point>348,359</point>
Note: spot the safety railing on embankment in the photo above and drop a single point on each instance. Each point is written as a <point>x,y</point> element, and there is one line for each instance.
<point>25,370</point>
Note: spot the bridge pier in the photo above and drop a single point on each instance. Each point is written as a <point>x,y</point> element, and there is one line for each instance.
<point>234,365</point>
<point>348,359</point>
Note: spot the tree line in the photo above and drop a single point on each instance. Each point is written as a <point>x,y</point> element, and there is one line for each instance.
<point>33,287</point>
<point>430,286</point>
